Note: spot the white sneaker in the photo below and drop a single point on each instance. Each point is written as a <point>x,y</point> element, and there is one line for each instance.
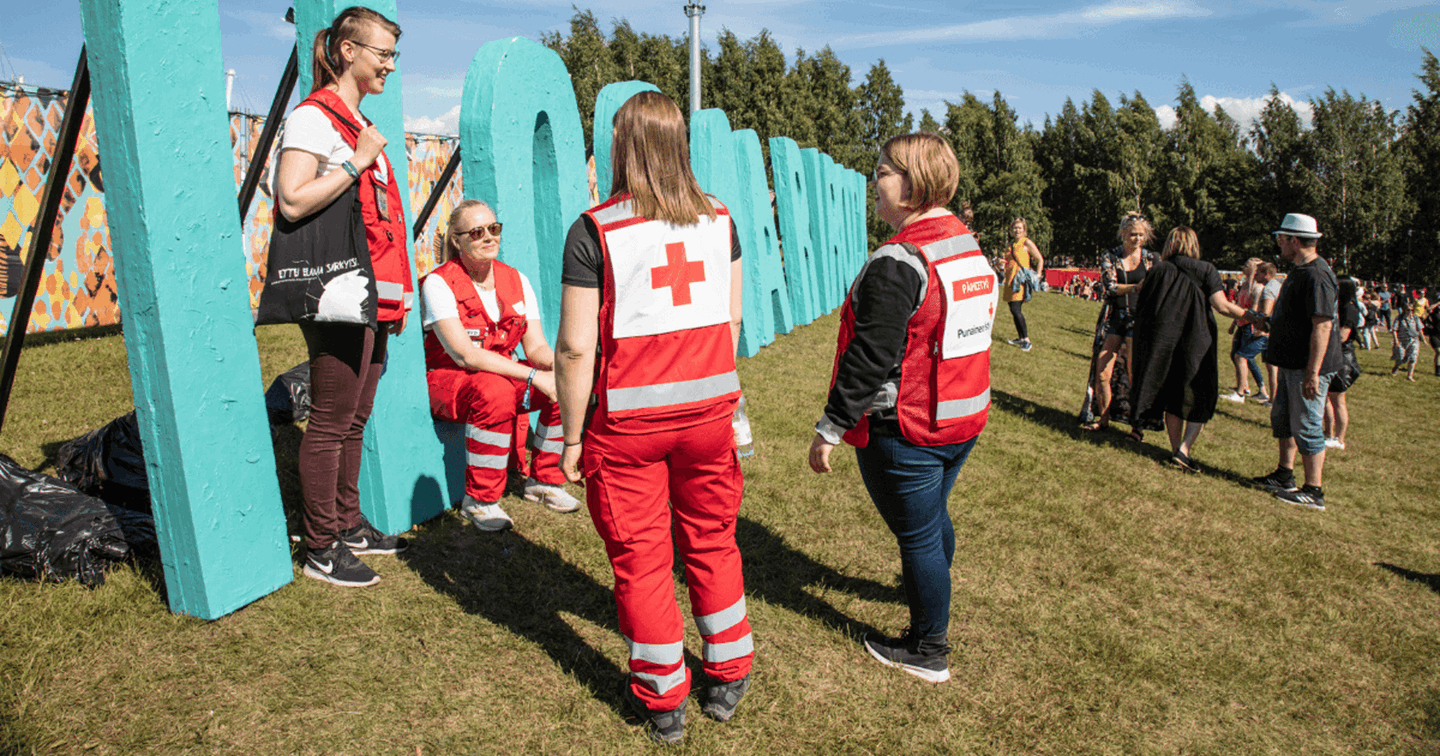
<point>1234,396</point>
<point>554,497</point>
<point>487,517</point>
<point>1334,443</point>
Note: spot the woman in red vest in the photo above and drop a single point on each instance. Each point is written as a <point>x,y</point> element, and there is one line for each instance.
<point>476,311</point>
<point>329,155</point>
<point>652,276</point>
<point>911,383</point>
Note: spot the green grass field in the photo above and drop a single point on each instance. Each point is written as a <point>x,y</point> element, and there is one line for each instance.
<point>1103,601</point>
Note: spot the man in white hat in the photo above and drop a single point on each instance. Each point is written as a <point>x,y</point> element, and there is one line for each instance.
<point>1305,346</point>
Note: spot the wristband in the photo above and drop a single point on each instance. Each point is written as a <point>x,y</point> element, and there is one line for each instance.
<point>351,169</point>
<point>575,443</point>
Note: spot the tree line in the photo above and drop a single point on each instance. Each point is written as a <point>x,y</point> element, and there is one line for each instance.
<point>1369,175</point>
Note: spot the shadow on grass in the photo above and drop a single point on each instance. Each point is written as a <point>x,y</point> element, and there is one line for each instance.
<point>523,587</point>
<point>1428,580</point>
<point>779,573</point>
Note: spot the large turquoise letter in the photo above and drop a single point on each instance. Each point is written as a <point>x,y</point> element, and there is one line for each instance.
<point>160,119</point>
<point>523,151</point>
<point>402,471</point>
<point>792,204</point>
<point>827,278</point>
<point>767,301</point>
<point>611,97</point>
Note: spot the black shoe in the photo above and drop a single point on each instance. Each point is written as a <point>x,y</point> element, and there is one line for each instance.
<point>664,727</point>
<point>1184,462</point>
<point>719,701</point>
<point>1305,496</point>
<point>922,657</point>
<point>1280,480</point>
<point>365,539</point>
<point>335,564</point>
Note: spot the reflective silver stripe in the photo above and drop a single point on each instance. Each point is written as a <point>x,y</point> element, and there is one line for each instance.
<point>722,620</point>
<point>613,214</point>
<point>667,394</point>
<point>390,291</point>
<point>549,445</point>
<point>962,407</point>
<point>662,683</point>
<point>549,431</point>
<point>723,652</point>
<point>951,246</point>
<point>487,461</point>
<point>657,653</point>
<point>487,437</point>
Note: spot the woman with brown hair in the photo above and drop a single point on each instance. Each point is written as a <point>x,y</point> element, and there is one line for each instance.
<point>337,195</point>
<point>652,277</point>
<point>1175,343</point>
<point>911,383</point>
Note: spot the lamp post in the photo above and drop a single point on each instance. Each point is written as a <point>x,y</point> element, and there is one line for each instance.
<point>694,11</point>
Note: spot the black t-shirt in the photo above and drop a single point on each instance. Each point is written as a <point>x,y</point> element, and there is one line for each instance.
<point>584,264</point>
<point>1309,290</point>
<point>1202,273</point>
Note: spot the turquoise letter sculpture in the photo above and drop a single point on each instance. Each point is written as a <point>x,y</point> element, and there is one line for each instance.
<point>401,471</point>
<point>170,191</point>
<point>792,204</point>
<point>767,300</point>
<point>827,278</point>
<point>611,97</point>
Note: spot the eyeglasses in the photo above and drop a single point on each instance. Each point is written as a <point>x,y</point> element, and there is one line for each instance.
<point>478,233</point>
<point>384,55</point>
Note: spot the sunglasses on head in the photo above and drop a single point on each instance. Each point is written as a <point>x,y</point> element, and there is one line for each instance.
<point>478,233</point>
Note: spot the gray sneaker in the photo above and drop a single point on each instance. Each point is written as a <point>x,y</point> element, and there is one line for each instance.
<point>719,700</point>
<point>664,727</point>
<point>487,517</point>
<point>554,497</point>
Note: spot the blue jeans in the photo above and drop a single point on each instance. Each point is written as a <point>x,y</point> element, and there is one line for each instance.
<point>910,486</point>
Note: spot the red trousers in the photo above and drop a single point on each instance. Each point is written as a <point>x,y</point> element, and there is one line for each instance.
<point>495,428</point>
<point>641,487</point>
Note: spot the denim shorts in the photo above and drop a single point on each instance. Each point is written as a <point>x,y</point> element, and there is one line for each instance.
<point>1248,344</point>
<point>1292,415</point>
<point>1120,322</point>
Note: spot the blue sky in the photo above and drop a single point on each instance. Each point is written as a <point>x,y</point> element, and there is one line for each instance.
<point>1036,53</point>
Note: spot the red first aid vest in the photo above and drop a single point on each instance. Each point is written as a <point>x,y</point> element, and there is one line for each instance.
<point>500,336</point>
<point>665,340</point>
<point>385,233</point>
<point>944,392</point>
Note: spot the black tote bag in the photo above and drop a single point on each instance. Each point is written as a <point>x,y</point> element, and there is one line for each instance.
<point>319,268</point>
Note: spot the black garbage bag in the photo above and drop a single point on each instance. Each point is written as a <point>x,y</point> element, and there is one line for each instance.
<point>50,530</point>
<point>288,398</point>
<point>108,462</point>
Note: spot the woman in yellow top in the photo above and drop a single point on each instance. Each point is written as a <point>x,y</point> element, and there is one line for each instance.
<point>1019,256</point>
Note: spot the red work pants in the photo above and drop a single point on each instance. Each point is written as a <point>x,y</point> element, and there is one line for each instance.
<point>633,486</point>
<point>495,428</point>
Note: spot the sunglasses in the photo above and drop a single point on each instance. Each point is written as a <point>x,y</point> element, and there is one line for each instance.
<point>478,233</point>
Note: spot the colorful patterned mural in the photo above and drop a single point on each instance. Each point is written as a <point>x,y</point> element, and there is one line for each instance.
<point>78,285</point>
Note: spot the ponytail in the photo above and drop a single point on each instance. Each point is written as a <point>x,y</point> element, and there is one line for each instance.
<point>322,71</point>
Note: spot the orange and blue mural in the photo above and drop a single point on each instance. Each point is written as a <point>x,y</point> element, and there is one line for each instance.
<point>77,288</point>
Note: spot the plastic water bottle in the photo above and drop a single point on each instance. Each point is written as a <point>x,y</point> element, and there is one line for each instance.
<point>744,440</point>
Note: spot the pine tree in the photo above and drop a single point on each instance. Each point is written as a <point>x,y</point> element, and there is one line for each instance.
<point>1420,248</point>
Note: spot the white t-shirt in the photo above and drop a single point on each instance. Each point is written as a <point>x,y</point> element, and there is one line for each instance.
<point>310,130</point>
<point>437,302</point>
<point>1272,290</point>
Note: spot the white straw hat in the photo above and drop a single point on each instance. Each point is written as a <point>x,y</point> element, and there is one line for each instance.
<point>1297,224</point>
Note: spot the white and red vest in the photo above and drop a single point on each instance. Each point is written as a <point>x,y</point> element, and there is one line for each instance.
<point>384,230</point>
<point>944,392</point>
<point>499,336</point>
<point>665,340</point>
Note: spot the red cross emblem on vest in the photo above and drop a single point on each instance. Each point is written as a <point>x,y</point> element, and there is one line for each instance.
<point>677,273</point>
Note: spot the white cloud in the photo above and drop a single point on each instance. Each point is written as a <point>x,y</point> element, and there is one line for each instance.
<point>447,124</point>
<point>1243,109</point>
<point>1031,27</point>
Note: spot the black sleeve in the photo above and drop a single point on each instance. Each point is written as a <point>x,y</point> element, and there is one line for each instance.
<point>1212,281</point>
<point>887,295</point>
<point>582,259</point>
<point>583,263</point>
<point>1323,294</point>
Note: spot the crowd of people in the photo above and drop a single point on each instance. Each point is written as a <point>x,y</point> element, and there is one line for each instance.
<point>636,398</point>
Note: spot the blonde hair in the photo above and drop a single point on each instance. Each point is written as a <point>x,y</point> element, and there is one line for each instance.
<point>1132,218</point>
<point>1182,241</point>
<point>327,64</point>
<point>1022,222</point>
<point>650,161</point>
<point>930,162</point>
<point>451,248</point>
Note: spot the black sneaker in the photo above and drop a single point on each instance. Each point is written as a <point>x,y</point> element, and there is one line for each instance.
<point>1276,481</point>
<point>922,657</point>
<point>1184,462</point>
<point>1306,496</point>
<point>719,700</point>
<point>664,727</point>
<point>365,539</point>
<point>335,564</point>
